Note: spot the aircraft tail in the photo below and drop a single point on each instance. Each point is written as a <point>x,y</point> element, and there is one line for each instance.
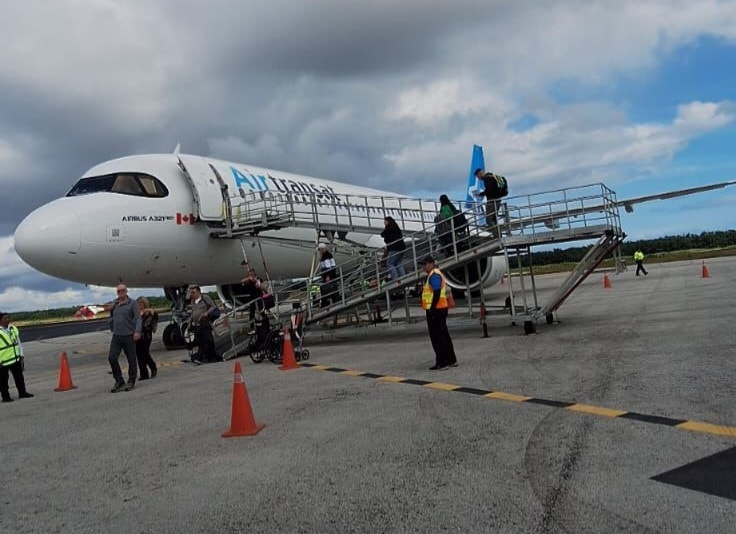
<point>477,161</point>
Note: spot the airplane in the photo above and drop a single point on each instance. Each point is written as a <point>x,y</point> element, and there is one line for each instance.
<point>157,220</point>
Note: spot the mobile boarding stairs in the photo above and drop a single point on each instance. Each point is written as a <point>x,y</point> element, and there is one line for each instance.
<point>564,215</point>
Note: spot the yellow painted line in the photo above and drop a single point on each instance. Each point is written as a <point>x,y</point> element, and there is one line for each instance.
<point>708,428</point>
<point>595,410</point>
<point>693,426</point>
<point>389,378</point>
<point>442,386</point>
<point>506,396</point>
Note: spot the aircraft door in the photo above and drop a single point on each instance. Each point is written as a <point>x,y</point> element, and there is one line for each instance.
<point>207,188</point>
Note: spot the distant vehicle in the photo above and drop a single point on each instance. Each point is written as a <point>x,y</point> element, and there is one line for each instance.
<point>88,311</point>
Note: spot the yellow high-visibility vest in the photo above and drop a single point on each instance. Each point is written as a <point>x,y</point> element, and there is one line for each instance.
<point>428,292</point>
<point>9,353</point>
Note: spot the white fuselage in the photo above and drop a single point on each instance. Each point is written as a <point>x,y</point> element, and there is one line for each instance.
<point>104,238</point>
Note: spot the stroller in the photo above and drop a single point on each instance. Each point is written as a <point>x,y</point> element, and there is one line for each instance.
<point>296,331</point>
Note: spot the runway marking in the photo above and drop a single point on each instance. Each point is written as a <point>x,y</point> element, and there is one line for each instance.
<point>500,395</point>
<point>682,424</point>
<point>390,379</point>
<point>440,385</point>
<point>708,428</point>
<point>595,410</point>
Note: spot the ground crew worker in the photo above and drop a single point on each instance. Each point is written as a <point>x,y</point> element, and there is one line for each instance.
<point>639,259</point>
<point>11,360</point>
<point>435,304</point>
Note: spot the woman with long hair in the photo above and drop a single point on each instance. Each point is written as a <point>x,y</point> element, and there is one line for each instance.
<point>395,247</point>
<point>149,322</point>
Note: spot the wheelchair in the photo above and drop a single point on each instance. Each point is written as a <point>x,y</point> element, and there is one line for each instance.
<point>266,340</point>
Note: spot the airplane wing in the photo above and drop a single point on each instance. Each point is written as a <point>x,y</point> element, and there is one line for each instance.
<point>628,204</point>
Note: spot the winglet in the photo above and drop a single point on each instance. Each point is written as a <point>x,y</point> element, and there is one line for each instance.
<point>176,149</point>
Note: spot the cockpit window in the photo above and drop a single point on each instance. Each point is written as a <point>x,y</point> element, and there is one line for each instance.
<point>142,185</point>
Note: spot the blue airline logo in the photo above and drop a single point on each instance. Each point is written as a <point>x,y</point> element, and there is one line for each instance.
<point>259,182</point>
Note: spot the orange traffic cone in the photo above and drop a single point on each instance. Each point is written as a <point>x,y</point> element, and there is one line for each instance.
<point>241,419</point>
<point>65,376</point>
<point>606,282</point>
<point>289,360</point>
<point>705,274</point>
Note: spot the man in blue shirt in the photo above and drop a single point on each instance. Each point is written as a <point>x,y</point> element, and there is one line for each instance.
<point>435,301</point>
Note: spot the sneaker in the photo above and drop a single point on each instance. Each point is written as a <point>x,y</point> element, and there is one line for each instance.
<point>8,399</point>
<point>130,385</point>
<point>118,387</point>
<point>453,364</point>
<point>25,395</point>
<point>438,368</point>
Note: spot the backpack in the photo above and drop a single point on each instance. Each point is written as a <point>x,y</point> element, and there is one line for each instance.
<point>461,221</point>
<point>496,185</point>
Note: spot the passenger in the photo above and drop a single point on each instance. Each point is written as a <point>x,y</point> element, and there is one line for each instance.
<point>149,323</point>
<point>201,325</point>
<point>450,218</point>
<point>639,259</point>
<point>329,290</point>
<point>492,193</point>
<point>395,247</point>
<point>254,289</point>
<point>125,324</point>
<point>11,360</point>
<point>435,303</point>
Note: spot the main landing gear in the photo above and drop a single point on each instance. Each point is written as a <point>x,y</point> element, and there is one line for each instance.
<point>173,335</point>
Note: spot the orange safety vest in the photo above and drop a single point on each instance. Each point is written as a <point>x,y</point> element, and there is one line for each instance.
<point>428,292</point>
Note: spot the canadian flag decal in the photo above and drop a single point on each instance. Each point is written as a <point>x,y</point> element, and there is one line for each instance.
<point>185,218</point>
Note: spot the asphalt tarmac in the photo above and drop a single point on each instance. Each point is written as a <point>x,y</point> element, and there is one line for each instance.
<point>618,418</point>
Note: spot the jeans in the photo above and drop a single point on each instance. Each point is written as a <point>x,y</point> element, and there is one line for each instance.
<point>395,265</point>
<point>126,344</point>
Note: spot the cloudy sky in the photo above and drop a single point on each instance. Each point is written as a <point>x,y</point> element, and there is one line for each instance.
<point>638,94</point>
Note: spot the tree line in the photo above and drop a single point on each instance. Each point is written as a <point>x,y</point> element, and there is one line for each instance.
<point>158,303</point>
<point>671,243</point>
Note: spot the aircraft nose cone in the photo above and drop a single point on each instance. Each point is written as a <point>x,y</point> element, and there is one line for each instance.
<point>49,238</point>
